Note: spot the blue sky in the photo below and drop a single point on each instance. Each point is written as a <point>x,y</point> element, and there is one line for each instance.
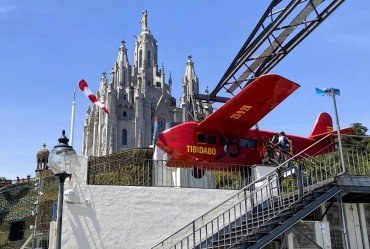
<point>47,46</point>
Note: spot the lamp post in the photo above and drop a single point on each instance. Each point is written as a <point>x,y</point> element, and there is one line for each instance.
<point>61,160</point>
<point>332,92</point>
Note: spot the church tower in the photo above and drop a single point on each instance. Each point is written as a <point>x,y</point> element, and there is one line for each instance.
<point>192,109</point>
<point>145,58</point>
<point>136,95</point>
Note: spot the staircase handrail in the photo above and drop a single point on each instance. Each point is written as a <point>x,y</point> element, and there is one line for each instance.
<point>311,158</point>
<point>237,194</point>
<point>25,244</point>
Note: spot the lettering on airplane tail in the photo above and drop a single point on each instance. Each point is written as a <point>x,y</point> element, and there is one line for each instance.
<point>242,111</point>
<point>201,150</point>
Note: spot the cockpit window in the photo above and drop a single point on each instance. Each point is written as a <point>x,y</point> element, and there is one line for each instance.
<point>248,143</point>
<point>205,138</point>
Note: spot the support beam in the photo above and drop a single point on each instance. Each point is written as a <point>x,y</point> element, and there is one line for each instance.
<point>342,220</point>
<point>208,98</point>
<point>288,224</point>
<point>308,238</point>
<point>283,242</point>
<point>326,211</point>
<point>279,31</point>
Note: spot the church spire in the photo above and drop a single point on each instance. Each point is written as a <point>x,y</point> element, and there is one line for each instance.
<point>122,54</point>
<point>123,46</point>
<point>190,82</point>
<point>103,85</point>
<point>103,79</point>
<point>170,83</point>
<point>121,67</point>
<point>146,55</point>
<point>162,69</point>
<point>190,61</point>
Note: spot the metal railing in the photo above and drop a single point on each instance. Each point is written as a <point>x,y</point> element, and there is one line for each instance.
<point>268,197</point>
<point>41,240</point>
<point>149,172</point>
<point>6,182</point>
<point>18,202</point>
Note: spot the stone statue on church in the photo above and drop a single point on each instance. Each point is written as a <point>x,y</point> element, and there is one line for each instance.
<point>144,20</point>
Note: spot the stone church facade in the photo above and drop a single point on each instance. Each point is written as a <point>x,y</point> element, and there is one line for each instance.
<point>134,95</point>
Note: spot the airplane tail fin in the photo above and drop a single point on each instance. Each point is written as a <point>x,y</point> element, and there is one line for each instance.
<point>323,125</point>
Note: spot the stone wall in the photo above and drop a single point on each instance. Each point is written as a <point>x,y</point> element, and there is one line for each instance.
<point>128,217</point>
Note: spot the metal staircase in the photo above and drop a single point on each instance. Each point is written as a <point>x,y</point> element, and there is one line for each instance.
<point>260,227</point>
<point>266,208</point>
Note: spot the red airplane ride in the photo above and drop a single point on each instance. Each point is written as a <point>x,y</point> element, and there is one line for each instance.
<point>226,136</point>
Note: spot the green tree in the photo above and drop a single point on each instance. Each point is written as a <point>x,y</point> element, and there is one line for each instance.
<point>359,129</point>
<point>357,150</point>
<point>358,142</point>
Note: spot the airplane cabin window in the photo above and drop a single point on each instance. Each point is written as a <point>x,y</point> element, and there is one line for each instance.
<point>204,138</point>
<point>227,140</point>
<point>211,139</point>
<point>248,143</point>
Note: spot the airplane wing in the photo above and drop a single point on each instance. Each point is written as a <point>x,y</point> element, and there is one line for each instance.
<point>250,105</point>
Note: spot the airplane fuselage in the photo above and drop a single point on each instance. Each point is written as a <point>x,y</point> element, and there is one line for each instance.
<point>226,136</point>
<point>187,142</point>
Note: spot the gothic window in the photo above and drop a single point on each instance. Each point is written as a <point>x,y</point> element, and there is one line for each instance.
<point>161,124</point>
<point>124,137</point>
<point>124,114</point>
<point>140,58</point>
<point>173,102</point>
<point>153,103</point>
<point>131,113</point>
<point>148,60</point>
<point>148,82</point>
<point>158,84</point>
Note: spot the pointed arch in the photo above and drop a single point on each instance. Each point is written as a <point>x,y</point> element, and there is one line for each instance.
<point>140,58</point>
<point>124,137</point>
<point>161,124</point>
<point>148,60</point>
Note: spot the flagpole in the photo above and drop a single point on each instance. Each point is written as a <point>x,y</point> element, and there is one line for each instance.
<point>73,117</point>
<point>338,130</point>
<point>155,130</point>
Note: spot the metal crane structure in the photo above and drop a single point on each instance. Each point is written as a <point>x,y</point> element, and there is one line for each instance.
<point>284,24</point>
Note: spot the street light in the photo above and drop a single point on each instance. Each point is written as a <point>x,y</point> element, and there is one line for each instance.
<point>332,92</point>
<point>61,160</point>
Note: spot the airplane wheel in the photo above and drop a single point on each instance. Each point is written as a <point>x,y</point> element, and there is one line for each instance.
<point>232,150</point>
<point>197,172</point>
